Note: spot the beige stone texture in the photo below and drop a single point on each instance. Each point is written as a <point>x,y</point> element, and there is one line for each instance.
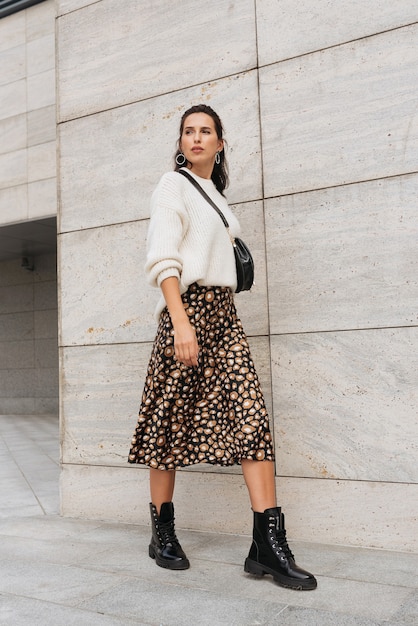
<point>13,99</point>
<point>106,309</point>
<point>13,132</point>
<point>344,512</point>
<point>323,145</point>
<point>12,31</point>
<point>41,54</point>
<point>40,20</point>
<point>111,162</point>
<point>346,404</point>
<point>104,296</point>
<point>288,29</point>
<point>41,125</point>
<point>13,65</point>
<point>344,258</point>
<point>27,114</point>
<point>42,198</point>
<point>101,68</point>
<point>42,161</point>
<point>101,393</point>
<point>41,90</point>
<point>13,168</point>
<point>336,116</point>
<point>252,306</point>
<point>13,204</point>
<point>66,6</point>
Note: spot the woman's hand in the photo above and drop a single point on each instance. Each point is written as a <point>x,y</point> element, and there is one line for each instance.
<point>185,342</point>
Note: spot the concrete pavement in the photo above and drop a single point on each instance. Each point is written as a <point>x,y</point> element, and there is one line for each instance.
<point>63,572</point>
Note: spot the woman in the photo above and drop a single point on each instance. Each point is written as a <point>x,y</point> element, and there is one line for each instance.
<point>202,400</point>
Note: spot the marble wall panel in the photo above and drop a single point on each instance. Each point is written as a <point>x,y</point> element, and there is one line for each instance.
<point>41,125</point>
<point>342,115</point>
<point>45,295</point>
<point>46,270</point>
<point>17,406</point>
<point>103,68</point>
<point>350,513</point>
<point>344,258</point>
<point>287,29</point>
<point>102,308</point>
<point>12,31</point>
<point>41,90</point>
<point>111,162</point>
<point>103,290</point>
<point>17,326</point>
<point>16,299</point>
<point>16,355</point>
<point>41,54</point>
<point>11,274</point>
<point>46,324</point>
<point>12,64</point>
<point>252,306</point>
<point>45,406</point>
<point>40,20</point>
<point>42,161</point>
<point>46,353</point>
<point>220,501</point>
<point>13,204</point>
<point>13,168</point>
<point>101,392</point>
<point>21,386</point>
<point>66,6</point>
<point>13,99</point>
<point>13,131</point>
<point>42,198</point>
<point>47,381</point>
<point>345,512</point>
<point>346,404</point>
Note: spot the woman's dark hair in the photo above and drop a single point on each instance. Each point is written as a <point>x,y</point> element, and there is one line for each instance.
<point>220,171</point>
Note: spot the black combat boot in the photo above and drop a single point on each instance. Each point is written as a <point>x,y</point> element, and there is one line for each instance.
<point>165,547</point>
<point>270,553</point>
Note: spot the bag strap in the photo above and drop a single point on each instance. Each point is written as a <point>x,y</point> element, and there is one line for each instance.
<point>206,197</point>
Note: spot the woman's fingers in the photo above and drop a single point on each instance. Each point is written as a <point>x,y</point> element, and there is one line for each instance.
<point>187,353</point>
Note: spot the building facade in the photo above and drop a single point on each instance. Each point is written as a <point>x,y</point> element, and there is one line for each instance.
<point>28,209</point>
<point>318,101</point>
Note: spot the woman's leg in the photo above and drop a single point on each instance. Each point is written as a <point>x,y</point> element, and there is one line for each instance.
<point>259,478</point>
<point>161,486</point>
<point>269,552</point>
<point>165,548</point>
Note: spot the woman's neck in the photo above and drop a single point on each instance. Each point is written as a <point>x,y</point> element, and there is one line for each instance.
<point>202,172</point>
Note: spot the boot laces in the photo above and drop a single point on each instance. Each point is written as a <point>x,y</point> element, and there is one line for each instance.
<point>279,543</point>
<point>167,532</point>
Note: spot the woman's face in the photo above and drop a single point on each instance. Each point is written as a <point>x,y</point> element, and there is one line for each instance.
<point>199,141</point>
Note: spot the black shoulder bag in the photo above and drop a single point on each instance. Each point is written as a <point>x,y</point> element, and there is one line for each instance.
<point>243,259</point>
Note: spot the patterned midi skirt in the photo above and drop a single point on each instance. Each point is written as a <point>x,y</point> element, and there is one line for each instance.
<point>213,413</point>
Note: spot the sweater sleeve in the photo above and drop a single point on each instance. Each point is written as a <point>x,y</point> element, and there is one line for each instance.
<point>166,230</point>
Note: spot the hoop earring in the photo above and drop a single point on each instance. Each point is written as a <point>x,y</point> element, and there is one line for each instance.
<point>180,159</point>
<point>217,158</point>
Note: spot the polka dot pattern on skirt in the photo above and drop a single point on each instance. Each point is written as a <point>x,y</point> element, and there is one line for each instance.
<point>214,413</point>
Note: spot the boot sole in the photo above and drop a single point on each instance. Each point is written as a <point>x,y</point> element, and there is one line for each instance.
<point>251,567</point>
<point>184,564</point>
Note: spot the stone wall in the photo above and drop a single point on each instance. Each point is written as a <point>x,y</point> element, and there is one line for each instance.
<point>27,115</point>
<point>28,300</point>
<point>318,100</point>
<point>28,337</point>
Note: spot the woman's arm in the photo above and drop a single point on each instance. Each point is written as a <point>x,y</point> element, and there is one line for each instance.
<point>185,342</point>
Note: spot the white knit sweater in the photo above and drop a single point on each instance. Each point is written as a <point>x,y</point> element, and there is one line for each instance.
<point>187,238</point>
